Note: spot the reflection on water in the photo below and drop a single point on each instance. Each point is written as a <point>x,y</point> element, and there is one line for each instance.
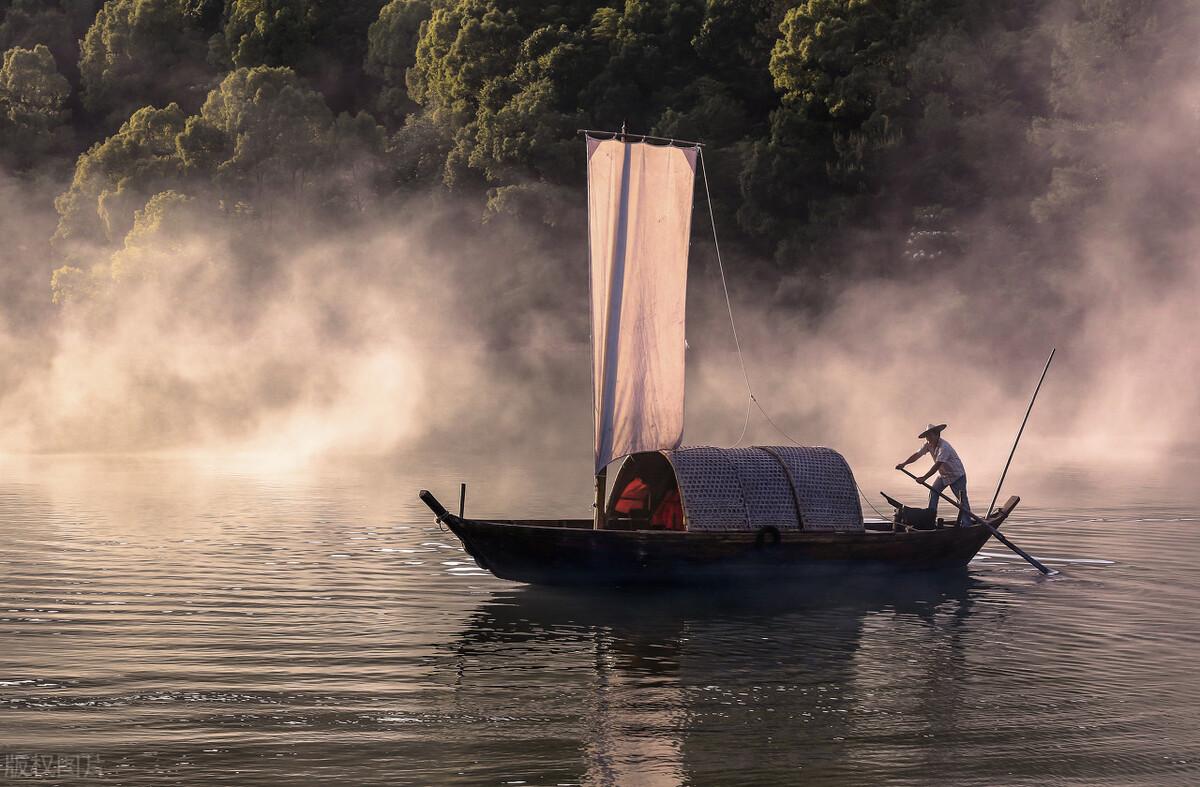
<point>191,625</point>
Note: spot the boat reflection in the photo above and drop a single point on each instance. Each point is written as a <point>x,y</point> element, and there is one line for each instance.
<point>665,683</point>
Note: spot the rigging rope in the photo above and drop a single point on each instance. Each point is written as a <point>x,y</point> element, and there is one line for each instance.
<point>741,360</point>
<point>721,267</point>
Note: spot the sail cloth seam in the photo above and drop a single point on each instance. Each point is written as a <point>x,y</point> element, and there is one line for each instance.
<point>737,343</point>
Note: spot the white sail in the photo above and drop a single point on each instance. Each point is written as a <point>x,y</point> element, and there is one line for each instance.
<point>639,219</point>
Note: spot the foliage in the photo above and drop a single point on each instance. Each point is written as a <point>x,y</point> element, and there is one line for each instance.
<point>115,177</point>
<point>261,131</point>
<point>392,50</point>
<point>324,41</point>
<point>138,53</point>
<point>58,24</point>
<point>270,32</point>
<point>33,110</point>
<point>160,231</point>
<point>831,126</point>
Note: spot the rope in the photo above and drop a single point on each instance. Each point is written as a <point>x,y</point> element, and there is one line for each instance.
<point>733,327</point>
<point>724,286</point>
<point>861,493</point>
<point>745,422</point>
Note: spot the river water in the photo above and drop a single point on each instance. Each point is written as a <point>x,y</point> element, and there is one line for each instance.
<point>174,621</point>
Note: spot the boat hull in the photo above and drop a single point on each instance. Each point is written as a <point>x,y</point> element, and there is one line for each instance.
<point>553,554</point>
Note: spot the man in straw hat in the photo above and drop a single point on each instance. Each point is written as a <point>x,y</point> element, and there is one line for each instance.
<point>948,467</point>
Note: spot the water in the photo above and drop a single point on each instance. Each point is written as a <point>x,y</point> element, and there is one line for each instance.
<point>168,622</point>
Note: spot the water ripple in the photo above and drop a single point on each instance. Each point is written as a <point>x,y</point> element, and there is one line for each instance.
<point>194,627</point>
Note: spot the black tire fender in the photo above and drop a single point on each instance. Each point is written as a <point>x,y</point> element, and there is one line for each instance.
<point>767,536</point>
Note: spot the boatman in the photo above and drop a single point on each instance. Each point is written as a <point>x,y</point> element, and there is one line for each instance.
<point>948,467</point>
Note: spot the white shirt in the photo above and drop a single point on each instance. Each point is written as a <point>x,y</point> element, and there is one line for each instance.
<point>952,467</point>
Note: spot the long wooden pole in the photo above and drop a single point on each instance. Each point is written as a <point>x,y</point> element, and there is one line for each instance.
<point>1032,560</point>
<point>1021,431</point>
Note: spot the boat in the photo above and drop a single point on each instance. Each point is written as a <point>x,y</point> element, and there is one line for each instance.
<point>675,514</point>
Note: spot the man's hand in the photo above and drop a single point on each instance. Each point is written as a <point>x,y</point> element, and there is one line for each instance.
<point>925,477</point>
<point>901,466</point>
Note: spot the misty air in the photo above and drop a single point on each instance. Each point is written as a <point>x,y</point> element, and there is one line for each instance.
<point>707,392</point>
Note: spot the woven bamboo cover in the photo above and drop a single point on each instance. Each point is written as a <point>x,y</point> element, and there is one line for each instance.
<point>751,488</point>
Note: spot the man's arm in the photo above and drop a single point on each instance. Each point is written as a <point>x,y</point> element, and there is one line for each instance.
<point>936,466</point>
<point>912,458</point>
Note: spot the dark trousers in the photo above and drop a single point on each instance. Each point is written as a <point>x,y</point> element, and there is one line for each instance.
<point>959,488</point>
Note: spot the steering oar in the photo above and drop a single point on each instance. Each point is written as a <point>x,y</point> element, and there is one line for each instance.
<point>1032,560</point>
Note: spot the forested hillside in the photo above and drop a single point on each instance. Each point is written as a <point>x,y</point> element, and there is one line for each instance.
<point>225,219</point>
<point>868,128</point>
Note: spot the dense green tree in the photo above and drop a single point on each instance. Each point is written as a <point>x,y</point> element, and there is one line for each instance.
<point>357,161</point>
<point>261,136</point>
<point>733,47</point>
<point>159,234</point>
<point>270,32</point>
<point>877,129</point>
<point>462,48</point>
<point>33,98</point>
<point>324,41</point>
<point>115,178</point>
<point>392,50</point>
<point>261,133</point>
<point>648,56</point>
<point>205,15</point>
<point>59,24</point>
<point>141,52</point>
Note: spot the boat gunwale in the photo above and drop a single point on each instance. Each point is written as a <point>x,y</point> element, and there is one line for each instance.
<point>747,535</point>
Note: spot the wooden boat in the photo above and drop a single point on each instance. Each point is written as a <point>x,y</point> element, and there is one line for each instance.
<point>684,515</point>
<point>574,552</point>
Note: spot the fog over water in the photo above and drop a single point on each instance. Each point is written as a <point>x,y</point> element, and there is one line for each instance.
<point>422,327</point>
<point>214,568</point>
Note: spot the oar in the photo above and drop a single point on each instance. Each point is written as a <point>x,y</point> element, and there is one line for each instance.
<point>1032,560</point>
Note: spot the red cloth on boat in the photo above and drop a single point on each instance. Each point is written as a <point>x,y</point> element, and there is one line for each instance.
<point>634,497</point>
<point>669,513</point>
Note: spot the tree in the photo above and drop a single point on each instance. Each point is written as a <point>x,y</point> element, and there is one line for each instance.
<point>647,58</point>
<point>262,133</point>
<point>159,234</point>
<point>33,111</point>
<point>59,24</point>
<point>271,33</point>
<point>392,50</point>
<point>356,161</point>
<point>463,47</point>
<point>525,124</point>
<point>158,242</point>
<point>324,41</point>
<point>115,177</point>
<point>142,52</point>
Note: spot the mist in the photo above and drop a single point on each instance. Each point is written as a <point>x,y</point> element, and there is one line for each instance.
<point>420,329</point>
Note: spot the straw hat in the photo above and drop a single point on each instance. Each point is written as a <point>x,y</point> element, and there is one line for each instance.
<point>932,429</point>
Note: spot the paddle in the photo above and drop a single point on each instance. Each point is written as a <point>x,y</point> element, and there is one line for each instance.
<point>1032,560</point>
